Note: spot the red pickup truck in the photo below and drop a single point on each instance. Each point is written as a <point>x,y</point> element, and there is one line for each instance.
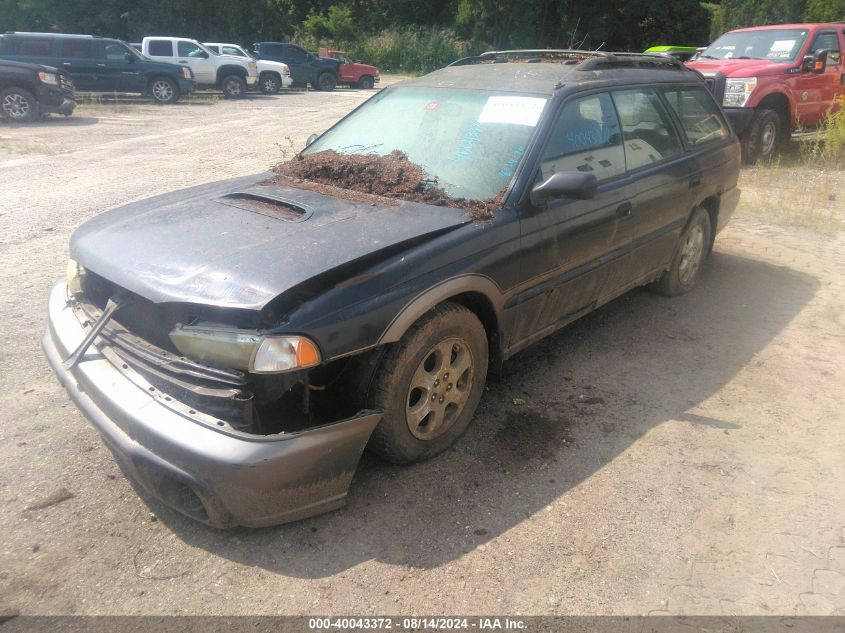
<point>352,73</point>
<point>778,80</point>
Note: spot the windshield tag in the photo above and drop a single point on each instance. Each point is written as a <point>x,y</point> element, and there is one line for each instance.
<point>513,110</point>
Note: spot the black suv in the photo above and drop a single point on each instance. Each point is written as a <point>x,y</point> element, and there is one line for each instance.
<point>28,91</point>
<point>305,68</point>
<point>99,64</point>
<point>240,343</point>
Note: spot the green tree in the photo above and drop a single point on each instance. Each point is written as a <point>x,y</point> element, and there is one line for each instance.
<point>825,11</point>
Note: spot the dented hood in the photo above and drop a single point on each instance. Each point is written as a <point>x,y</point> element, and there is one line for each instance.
<point>238,244</point>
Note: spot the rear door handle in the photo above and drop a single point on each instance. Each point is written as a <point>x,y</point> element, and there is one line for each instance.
<point>624,210</point>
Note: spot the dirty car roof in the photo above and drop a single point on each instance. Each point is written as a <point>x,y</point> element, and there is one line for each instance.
<point>541,78</point>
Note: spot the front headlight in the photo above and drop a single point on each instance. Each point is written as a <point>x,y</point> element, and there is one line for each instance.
<point>283,353</point>
<point>253,68</point>
<point>75,277</point>
<point>285,70</point>
<point>49,78</point>
<point>738,90</point>
<point>244,349</point>
<point>186,73</point>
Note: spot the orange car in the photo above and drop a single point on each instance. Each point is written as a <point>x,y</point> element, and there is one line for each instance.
<point>352,73</point>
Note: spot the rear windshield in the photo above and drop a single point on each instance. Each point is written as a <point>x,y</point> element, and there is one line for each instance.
<point>777,45</point>
<point>467,142</point>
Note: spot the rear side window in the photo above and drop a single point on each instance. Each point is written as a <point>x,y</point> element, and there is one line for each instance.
<point>699,115</point>
<point>647,131</point>
<point>35,47</point>
<point>161,48</point>
<point>585,137</point>
<point>231,50</point>
<point>76,49</point>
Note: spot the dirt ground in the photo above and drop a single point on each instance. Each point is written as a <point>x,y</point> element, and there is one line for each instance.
<point>679,456</point>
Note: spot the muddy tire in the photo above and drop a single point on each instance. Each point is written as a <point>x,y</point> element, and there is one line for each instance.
<point>429,385</point>
<point>366,82</point>
<point>164,91</point>
<point>689,258</point>
<point>18,105</point>
<point>269,83</point>
<point>233,87</point>
<point>326,82</point>
<point>764,137</point>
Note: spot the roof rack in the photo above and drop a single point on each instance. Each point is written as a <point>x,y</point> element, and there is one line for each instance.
<point>583,60</point>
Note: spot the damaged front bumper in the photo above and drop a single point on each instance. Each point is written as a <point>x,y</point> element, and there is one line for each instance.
<point>194,463</point>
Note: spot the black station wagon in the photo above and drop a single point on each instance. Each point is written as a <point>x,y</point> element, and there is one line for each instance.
<point>239,344</point>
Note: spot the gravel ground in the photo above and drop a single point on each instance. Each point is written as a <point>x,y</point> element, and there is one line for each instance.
<point>660,456</point>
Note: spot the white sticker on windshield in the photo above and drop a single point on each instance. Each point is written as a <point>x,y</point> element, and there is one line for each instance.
<point>513,110</point>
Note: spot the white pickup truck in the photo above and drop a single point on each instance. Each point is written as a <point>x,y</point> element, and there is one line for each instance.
<point>230,74</point>
<point>272,76</point>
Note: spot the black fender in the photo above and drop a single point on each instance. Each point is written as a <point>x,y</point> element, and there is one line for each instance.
<point>231,69</point>
<point>470,284</point>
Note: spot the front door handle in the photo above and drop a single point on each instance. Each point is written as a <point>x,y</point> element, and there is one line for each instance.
<point>624,210</point>
<point>695,182</point>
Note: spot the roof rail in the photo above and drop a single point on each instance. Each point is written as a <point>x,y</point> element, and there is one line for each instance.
<point>584,60</point>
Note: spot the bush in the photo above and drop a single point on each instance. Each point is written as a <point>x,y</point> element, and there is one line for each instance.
<point>411,50</point>
<point>829,145</point>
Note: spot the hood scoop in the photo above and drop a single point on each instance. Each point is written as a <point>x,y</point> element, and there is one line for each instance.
<point>267,205</point>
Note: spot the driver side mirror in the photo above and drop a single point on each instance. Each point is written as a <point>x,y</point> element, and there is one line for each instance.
<point>310,57</point>
<point>311,139</point>
<point>130,58</point>
<point>203,54</point>
<point>565,184</point>
<point>816,63</point>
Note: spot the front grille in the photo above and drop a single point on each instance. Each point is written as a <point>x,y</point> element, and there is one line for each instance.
<point>66,83</point>
<point>215,391</point>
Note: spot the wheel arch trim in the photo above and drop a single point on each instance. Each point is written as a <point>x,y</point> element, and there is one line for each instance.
<point>443,291</point>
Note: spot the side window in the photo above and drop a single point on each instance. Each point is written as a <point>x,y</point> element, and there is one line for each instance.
<point>115,52</point>
<point>160,48</point>
<point>75,49</point>
<point>35,47</point>
<point>647,131</point>
<point>297,55</point>
<point>188,49</point>
<point>698,113</point>
<point>231,50</point>
<point>586,138</point>
<point>828,41</point>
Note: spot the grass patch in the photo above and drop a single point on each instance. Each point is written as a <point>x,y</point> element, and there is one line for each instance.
<point>829,144</point>
<point>794,197</point>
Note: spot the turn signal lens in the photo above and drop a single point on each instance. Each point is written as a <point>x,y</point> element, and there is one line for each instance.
<point>276,354</point>
<point>75,277</point>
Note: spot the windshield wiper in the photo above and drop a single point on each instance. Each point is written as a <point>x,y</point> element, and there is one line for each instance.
<point>707,57</point>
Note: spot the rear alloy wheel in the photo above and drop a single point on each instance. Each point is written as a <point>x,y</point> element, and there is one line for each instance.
<point>164,91</point>
<point>690,255</point>
<point>326,82</point>
<point>18,105</point>
<point>429,385</point>
<point>269,83</point>
<point>366,82</point>
<point>233,87</point>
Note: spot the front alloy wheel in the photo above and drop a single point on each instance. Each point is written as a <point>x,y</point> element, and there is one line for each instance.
<point>269,84</point>
<point>428,385</point>
<point>439,389</point>
<point>18,105</point>
<point>164,91</point>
